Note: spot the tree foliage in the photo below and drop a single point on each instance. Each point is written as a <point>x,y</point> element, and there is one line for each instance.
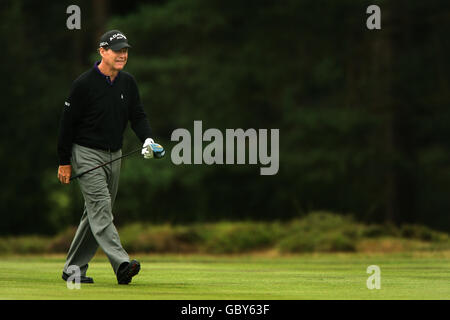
<point>362,114</point>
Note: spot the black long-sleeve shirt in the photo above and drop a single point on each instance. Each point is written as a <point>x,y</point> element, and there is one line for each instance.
<point>97,112</point>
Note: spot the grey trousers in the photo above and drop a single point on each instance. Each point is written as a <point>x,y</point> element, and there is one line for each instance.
<point>96,228</point>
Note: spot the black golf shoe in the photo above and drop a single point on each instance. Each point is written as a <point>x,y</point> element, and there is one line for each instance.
<point>83,279</point>
<point>128,270</point>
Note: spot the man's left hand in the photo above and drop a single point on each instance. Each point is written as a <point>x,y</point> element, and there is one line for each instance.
<point>146,149</point>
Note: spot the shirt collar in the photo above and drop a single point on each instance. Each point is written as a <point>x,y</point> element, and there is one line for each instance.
<point>107,78</point>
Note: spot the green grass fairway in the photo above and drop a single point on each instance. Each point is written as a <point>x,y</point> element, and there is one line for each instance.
<point>318,276</point>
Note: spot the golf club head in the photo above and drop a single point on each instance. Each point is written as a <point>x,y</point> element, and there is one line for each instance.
<point>158,150</point>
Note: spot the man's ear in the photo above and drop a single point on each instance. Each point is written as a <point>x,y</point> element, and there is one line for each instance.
<point>101,51</point>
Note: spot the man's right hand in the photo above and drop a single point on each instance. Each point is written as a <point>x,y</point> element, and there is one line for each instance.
<point>64,173</point>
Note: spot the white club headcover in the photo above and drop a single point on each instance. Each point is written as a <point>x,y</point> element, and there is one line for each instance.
<point>146,149</point>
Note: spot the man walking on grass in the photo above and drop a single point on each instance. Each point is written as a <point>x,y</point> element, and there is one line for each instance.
<point>101,102</point>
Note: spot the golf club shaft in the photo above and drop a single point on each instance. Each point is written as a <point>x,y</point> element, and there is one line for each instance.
<point>104,164</point>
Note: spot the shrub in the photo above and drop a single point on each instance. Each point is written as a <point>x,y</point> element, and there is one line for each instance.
<point>24,244</point>
<point>377,231</point>
<point>315,241</point>
<point>322,232</point>
<point>241,237</point>
<point>61,243</point>
<point>422,233</point>
<point>162,238</point>
<point>316,232</point>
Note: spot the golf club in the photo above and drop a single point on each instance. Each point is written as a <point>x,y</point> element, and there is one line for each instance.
<point>157,150</point>
<point>104,164</point>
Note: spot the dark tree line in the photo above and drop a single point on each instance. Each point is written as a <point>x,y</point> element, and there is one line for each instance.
<point>363,114</point>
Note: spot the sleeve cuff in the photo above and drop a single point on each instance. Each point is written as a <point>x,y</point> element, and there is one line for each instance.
<point>64,161</point>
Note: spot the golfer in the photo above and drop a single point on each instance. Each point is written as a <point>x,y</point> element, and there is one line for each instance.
<point>101,102</point>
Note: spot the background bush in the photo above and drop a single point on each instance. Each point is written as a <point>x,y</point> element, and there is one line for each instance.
<point>317,232</point>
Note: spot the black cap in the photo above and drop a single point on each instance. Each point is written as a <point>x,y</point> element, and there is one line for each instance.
<point>114,40</point>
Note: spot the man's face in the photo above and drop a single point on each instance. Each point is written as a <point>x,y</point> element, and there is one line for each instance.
<point>115,59</point>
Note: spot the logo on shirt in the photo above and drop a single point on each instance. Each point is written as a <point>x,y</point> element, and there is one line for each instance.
<point>67,104</point>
